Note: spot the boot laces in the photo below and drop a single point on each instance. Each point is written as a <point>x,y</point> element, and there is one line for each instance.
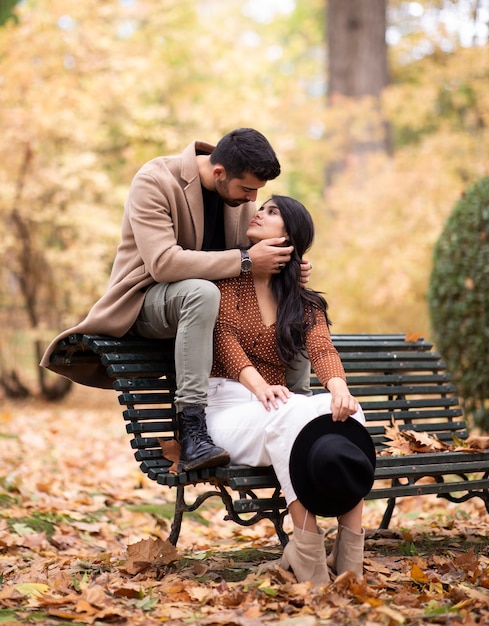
<point>194,427</point>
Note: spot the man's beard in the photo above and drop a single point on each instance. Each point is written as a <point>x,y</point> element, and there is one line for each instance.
<point>222,187</point>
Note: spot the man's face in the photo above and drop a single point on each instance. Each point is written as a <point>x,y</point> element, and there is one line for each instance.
<point>236,191</point>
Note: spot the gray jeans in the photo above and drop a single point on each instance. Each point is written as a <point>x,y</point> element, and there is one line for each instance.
<point>187,310</point>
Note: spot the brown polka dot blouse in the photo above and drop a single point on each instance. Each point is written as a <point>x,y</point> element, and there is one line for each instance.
<point>242,339</point>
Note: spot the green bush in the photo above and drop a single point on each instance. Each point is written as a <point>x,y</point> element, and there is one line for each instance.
<point>458,298</point>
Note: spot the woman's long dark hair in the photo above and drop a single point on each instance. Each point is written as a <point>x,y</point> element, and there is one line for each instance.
<point>294,301</point>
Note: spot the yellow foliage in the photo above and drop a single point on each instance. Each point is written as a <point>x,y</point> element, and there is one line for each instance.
<point>382,216</point>
<point>90,90</point>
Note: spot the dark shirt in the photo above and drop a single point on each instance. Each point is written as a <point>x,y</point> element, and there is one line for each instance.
<point>213,221</point>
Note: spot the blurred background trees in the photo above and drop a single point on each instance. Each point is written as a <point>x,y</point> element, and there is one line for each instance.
<point>379,130</point>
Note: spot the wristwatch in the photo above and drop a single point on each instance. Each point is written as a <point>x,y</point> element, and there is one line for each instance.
<point>246,262</point>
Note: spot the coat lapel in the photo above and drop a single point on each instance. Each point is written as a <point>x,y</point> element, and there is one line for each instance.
<point>192,189</point>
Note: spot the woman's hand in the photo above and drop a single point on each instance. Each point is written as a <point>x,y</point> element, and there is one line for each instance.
<point>266,394</point>
<point>269,394</point>
<point>343,404</point>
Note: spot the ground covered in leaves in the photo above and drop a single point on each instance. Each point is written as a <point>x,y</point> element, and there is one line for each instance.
<point>83,541</point>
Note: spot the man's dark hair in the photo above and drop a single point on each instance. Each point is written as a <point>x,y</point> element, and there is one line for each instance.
<point>246,151</point>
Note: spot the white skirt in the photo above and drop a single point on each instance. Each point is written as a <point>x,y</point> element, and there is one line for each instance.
<point>238,422</point>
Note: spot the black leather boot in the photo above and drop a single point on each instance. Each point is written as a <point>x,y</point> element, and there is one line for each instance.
<point>197,448</point>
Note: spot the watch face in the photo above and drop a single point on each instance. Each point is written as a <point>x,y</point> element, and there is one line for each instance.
<point>246,263</point>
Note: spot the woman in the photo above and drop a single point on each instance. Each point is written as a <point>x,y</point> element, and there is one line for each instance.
<point>264,322</point>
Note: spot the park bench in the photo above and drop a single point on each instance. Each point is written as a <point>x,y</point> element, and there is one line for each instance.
<point>397,381</point>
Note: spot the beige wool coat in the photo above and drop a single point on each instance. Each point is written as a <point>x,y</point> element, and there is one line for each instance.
<point>161,241</point>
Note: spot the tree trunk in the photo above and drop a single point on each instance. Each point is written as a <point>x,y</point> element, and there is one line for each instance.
<point>357,51</point>
<point>357,74</point>
<point>28,270</point>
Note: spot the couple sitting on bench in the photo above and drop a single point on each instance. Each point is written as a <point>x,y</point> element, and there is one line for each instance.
<point>322,454</point>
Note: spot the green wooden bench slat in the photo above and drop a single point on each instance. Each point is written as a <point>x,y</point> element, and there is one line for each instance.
<point>366,336</point>
<point>253,482</point>
<point>432,458</point>
<point>399,390</point>
<point>413,415</point>
<point>186,478</point>
<point>130,343</point>
<point>408,403</point>
<point>145,455</point>
<point>145,442</point>
<point>144,414</point>
<point>149,427</point>
<point>405,356</point>
<point>392,366</point>
<point>161,360</point>
<point>381,442</point>
<point>149,384</point>
<point>237,471</point>
<point>144,398</point>
<point>251,505</point>
<point>447,428</point>
<point>419,489</point>
<point>155,463</point>
<point>123,369</point>
<point>373,346</point>
<point>432,427</point>
<point>371,341</point>
<point>448,467</point>
<point>439,378</point>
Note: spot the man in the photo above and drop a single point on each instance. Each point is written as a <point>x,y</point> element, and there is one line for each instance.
<point>184,226</point>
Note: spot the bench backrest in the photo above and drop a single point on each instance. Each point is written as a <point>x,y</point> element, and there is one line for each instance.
<point>394,379</point>
<point>401,381</point>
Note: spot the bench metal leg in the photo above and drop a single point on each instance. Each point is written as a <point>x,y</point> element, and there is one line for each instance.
<point>278,522</point>
<point>182,507</point>
<point>176,524</point>
<point>276,514</point>
<point>483,494</point>
<point>386,519</point>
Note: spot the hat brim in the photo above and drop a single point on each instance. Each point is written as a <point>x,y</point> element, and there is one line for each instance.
<point>304,489</point>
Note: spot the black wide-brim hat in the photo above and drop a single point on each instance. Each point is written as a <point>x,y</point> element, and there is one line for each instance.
<point>332,465</point>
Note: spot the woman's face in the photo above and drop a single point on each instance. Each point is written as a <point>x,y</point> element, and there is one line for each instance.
<point>266,224</point>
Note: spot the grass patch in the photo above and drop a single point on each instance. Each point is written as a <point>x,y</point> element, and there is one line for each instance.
<point>37,522</point>
<point>40,522</point>
<point>16,616</point>
<point>7,615</point>
<point>163,511</point>
<point>426,546</point>
<point>7,501</point>
<point>230,566</point>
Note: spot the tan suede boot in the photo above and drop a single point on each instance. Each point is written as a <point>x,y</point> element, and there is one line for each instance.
<point>347,553</point>
<point>306,556</point>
